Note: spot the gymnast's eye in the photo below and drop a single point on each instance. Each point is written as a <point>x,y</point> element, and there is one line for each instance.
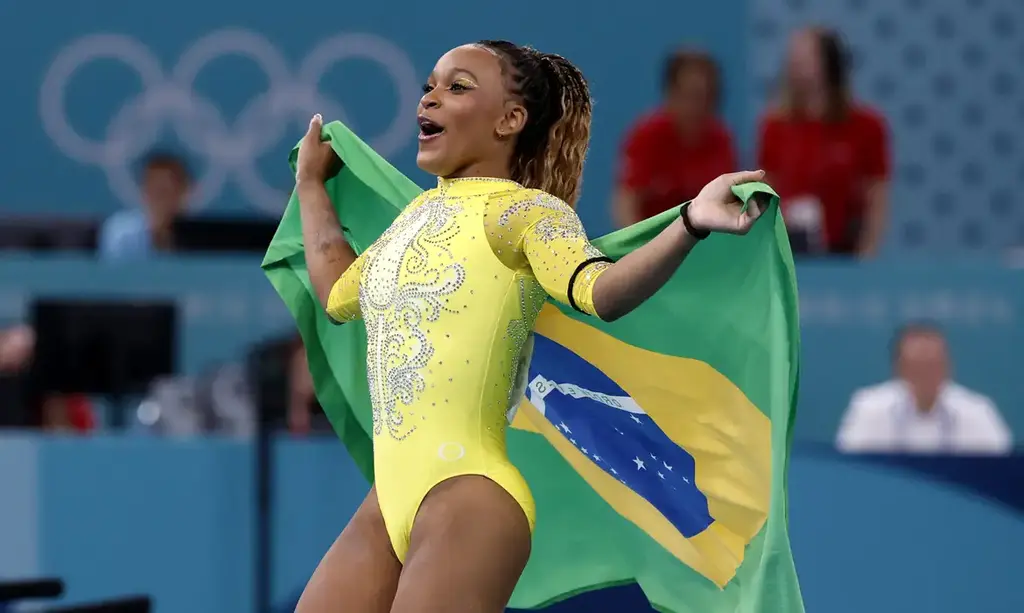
<point>427,88</point>
<point>460,86</point>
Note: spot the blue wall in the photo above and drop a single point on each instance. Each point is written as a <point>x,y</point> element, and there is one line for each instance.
<point>175,519</point>
<point>848,313</point>
<point>213,116</point>
<point>944,73</point>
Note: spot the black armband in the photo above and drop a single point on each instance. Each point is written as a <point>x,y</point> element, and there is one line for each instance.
<point>575,273</point>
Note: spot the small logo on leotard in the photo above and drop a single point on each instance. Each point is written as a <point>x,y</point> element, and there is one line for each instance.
<point>450,452</point>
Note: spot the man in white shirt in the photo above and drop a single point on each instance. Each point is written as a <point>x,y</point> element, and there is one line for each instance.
<point>922,410</point>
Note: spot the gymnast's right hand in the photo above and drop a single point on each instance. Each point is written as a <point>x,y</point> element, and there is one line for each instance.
<point>317,161</point>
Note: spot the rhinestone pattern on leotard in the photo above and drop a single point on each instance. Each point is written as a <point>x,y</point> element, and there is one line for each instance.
<point>407,278</point>
<point>451,292</point>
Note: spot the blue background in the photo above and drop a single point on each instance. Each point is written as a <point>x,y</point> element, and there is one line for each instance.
<point>625,83</point>
<point>944,73</point>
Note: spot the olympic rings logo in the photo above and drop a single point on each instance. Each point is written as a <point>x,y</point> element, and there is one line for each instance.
<point>229,149</point>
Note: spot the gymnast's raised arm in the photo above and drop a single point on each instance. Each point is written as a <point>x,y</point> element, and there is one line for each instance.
<point>329,258</point>
<point>637,276</point>
<point>575,273</point>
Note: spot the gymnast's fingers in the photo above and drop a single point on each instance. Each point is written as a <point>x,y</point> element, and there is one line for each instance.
<point>745,176</point>
<point>313,133</point>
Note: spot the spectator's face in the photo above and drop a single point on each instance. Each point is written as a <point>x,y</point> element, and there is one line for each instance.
<point>16,348</point>
<point>923,361</point>
<point>691,98</point>
<point>805,69</point>
<point>165,190</point>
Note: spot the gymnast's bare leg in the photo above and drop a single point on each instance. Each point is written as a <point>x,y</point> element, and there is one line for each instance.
<point>359,573</point>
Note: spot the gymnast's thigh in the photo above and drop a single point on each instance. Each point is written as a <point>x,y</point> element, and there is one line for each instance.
<point>359,573</point>
<point>470,543</point>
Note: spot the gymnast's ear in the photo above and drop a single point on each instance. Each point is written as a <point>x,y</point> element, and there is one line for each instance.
<point>512,121</point>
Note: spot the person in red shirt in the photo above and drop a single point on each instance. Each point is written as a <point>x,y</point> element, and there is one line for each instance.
<point>68,413</point>
<point>826,154</point>
<point>672,152</point>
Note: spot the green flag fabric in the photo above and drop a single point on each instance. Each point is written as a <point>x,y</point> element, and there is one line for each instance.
<point>656,447</point>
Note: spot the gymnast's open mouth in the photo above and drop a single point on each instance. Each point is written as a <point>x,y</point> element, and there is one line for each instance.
<point>429,129</point>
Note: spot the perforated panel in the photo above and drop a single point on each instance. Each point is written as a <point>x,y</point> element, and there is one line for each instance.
<point>949,77</point>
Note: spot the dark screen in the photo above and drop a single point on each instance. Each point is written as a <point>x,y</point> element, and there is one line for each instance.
<point>102,347</point>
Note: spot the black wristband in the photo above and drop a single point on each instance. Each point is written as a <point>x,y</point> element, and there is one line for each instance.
<point>684,214</point>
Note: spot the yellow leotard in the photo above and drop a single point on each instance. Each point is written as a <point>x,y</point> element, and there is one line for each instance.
<point>449,294</point>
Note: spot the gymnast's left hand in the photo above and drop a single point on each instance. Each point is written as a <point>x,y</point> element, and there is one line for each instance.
<point>717,209</point>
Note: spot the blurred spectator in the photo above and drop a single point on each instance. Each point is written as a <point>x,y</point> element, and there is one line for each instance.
<point>139,232</point>
<point>672,152</point>
<point>68,413</point>
<point>301,396</point>
<point>23,407</point>
<point>16,348</point>
<point>922,410</point>
<point>230,398</point>
<point>826,154</point>
<point>283,386</point>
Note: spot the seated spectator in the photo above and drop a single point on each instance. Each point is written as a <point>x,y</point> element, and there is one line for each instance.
<point>283,385</point>
<point>140,232</point>
<point>671,153</point>
<point>17,345</point>
<point>68,413</point>
<point>20,405</point>
<point>921,410</point>
<point>301,395</point>
<point>825,153</point>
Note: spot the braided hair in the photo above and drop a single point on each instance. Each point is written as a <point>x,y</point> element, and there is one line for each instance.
<point>550,151</point>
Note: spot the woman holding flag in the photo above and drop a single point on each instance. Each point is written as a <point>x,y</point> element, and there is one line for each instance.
<point>449,294</point>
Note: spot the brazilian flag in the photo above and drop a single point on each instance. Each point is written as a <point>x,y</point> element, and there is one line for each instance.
<point>656,446</point>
